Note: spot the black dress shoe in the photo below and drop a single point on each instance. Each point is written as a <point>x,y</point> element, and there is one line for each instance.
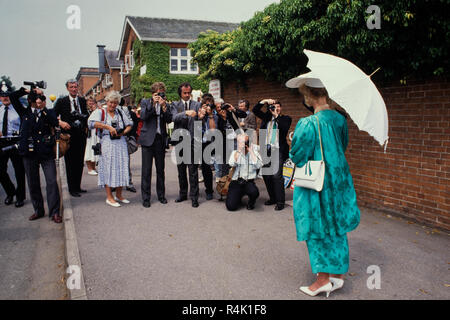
<point>194,203</point>
<point>146,204</point>
<point>209,196</point>
<point>163,200</point>
<point>250,206</point>
<point>269,203</point>
<point>19,203</point>
<point>35,216</point>
<point>180,199</point>
<point>131,189</point>
<point>9,200</point>
<point>279,207</point>
<point>75,194</point>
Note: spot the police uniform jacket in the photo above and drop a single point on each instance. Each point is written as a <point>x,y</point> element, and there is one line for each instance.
<point>40,130</point>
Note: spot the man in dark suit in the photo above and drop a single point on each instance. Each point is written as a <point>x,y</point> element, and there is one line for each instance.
<point>184,114</point>
<point>73,115</point>
<point>12,113</point>
<point>155,114</point>
<point>277,126</point>
<point>36,146</point>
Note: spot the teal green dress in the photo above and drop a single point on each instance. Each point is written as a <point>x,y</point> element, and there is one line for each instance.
<point>322,219</point>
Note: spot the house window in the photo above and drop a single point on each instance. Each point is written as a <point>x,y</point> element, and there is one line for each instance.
<point>180,61</point>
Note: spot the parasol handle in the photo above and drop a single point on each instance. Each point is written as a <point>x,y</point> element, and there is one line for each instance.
<point>374,72</point>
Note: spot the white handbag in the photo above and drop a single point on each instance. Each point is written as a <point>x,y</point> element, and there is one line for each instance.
<point>312,174</point>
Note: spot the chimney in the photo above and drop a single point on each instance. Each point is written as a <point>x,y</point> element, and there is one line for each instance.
<point>101,58</point>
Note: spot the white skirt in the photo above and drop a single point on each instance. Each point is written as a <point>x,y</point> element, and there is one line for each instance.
<point>89,152</point>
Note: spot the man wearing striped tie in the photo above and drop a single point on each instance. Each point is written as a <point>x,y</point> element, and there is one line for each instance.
<point>277,126</point>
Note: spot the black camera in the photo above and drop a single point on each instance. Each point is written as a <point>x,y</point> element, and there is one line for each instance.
<point>162,95</point>
<point>271,107</point>
<point>115,125</point>
<point>97,149</point>
<point>36,84</point>
<point>78,119</point>
<point>226,106</point>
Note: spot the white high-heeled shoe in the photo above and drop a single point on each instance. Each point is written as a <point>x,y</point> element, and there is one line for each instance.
<point>337,283</point>
<point>123,200</point>
<point>112,204</point>
<point>325,288</point>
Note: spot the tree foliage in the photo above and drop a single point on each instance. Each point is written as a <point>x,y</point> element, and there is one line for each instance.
<point>8,82</point>
<point>413,40</point>
<point>157,56</point>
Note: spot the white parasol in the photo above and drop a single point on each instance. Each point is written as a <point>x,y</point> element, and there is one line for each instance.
<point>351,88</point>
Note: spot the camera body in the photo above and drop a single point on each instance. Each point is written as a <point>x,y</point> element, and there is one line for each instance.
<point>226,106</point>
<point>115,125</point>
<point>97,149</point>
<point>271,107</point>
<point>162,95</point>
<point>78,119</point>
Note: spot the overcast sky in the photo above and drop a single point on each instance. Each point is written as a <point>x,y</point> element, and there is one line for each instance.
<point>37,45</point>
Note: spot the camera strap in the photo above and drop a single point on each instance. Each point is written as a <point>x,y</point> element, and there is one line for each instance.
<point>102,120</point>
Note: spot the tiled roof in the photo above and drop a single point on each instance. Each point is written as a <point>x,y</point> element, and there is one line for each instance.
<point>111,58</point>
<point>169,30</point>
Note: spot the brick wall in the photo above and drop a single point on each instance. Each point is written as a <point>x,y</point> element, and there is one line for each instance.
<point>413,177</point>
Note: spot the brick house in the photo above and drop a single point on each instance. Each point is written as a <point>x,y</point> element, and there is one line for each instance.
<point>173,37</point>
<point>412,178</point>
<point>109,77</point>
<point>87,77</point>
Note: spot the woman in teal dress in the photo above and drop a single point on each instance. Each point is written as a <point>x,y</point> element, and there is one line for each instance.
<point>322,219</point>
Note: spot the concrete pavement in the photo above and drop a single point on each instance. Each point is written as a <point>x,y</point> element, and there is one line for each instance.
<point>174,251</point>
<point>31,253</point>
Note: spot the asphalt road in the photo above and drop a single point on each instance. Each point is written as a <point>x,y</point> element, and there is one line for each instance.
<point>174,251</point>
<point>31,253</point>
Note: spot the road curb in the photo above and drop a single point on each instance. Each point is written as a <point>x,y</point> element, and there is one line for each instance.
<point>72,253</point>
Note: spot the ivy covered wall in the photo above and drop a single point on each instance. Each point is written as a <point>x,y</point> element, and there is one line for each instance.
<point>157,58</point>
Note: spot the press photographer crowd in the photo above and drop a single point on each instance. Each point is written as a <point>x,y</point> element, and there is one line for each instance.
<point>105,134</point>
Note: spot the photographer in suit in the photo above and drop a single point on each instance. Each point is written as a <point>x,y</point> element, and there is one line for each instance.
<point>73,115</point>
<point>37,141</point>
<point>277,126</point>
<point>184,114</point>
<point>155,114</point>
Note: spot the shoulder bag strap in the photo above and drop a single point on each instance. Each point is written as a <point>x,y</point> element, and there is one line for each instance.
<point>320,137</point>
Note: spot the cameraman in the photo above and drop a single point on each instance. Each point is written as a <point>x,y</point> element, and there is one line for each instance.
<point>10,123</point>
<point>155,114</point>
<point>228,123</point>
<point>36,145</point>
<point>73,115</point>
<point>277,126</point>
<point>209,122</point>
<point>246,161</point>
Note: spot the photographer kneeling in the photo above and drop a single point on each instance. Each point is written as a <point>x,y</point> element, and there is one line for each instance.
<point>113,160</point>
<point>36,144</point>
<point>245,161</point>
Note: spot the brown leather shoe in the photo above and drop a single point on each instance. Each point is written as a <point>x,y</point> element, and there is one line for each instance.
<point>35,216</point>
<point>57,218</point>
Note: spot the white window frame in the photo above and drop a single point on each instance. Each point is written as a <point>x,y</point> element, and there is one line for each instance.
<point>178,57</point>
<point>129,61</point>
<point>108,80</point>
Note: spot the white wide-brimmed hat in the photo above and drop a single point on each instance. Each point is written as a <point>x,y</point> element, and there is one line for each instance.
<point>307,78</point>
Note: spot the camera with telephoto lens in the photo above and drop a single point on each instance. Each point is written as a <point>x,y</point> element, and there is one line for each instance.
<point>115,125</point>
<point>78,119</point>
<point>33,96</point>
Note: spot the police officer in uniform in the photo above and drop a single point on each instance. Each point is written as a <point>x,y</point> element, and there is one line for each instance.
<point>11,114</point>
<point>37,141</point>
